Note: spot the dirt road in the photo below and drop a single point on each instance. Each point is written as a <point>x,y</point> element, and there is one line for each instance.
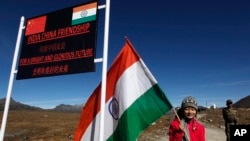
<point>212,134</point>
<point>215,134</point>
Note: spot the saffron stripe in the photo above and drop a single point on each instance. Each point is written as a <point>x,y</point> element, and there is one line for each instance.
<point>85,7</point>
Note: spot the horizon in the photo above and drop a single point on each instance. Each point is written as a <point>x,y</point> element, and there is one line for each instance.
<point>82,104</point>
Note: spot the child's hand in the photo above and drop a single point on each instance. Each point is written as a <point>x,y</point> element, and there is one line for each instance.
<point>181,127</point>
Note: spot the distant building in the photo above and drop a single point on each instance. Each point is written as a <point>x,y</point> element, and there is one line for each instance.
<point>213,106</point>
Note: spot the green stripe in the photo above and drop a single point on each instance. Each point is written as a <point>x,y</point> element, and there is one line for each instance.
<point>83,20</point>
<point>143,112</point>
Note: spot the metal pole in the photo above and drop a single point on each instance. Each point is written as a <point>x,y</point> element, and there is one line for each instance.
<point>13,71</point>
<point>104,70</point>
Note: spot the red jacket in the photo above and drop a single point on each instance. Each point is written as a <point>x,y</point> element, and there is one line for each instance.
<point>196,131</point>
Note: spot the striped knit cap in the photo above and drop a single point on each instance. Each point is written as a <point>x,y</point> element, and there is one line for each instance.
<point>189,102</point>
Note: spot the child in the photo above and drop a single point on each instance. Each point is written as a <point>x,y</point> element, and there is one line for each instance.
<point>185,127</point>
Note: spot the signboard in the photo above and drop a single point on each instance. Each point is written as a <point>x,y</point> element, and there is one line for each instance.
<point>59,43</point>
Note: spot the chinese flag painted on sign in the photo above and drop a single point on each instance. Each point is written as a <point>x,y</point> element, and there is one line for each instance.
<point>35,25</point>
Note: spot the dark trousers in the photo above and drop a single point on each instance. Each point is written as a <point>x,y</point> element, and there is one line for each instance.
<point>227,130</point>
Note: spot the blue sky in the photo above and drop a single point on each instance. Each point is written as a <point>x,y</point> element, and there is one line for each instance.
<point>198,48</point>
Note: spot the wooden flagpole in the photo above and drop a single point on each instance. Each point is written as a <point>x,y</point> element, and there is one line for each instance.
<point>184,130</point>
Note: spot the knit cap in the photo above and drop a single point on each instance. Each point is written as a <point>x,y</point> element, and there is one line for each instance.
<point>189,102</point>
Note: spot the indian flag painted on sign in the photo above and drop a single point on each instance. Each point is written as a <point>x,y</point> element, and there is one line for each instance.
<point>134,100</point>
<point>84,13</point>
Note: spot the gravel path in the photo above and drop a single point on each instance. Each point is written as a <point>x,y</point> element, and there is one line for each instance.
<point>212,134</point>
<point>215,134</point>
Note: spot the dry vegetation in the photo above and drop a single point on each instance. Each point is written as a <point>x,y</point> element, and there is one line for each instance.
<point>28,125</point>
<point>24,125</point>
<point>214,117</point>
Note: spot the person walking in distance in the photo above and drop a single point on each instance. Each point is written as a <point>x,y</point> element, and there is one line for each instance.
<point>230,117</point>
<point>185,126</point>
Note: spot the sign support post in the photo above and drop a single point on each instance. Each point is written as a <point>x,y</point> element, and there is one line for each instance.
<point>104,70</point>
<point>12,74</point>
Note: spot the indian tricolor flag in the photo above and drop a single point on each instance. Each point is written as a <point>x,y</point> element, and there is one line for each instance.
<point>84,13</point>
<point>134,100</point>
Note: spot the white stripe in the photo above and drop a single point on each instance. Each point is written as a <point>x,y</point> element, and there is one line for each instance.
<point>136,83</point>
<point>131,85</point>
<point>77,15</point>
<point>93,130</point>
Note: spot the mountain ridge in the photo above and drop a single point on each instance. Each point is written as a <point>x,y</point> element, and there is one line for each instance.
<point>243,102</point>
<point>14,105</point>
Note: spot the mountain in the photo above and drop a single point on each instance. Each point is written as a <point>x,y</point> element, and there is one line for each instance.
<point>243,103</point>
<point>16,105</point>
<point>68,108</point>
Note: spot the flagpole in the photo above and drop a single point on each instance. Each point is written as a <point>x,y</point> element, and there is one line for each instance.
<point>104,70</point>
<point>13,72</point>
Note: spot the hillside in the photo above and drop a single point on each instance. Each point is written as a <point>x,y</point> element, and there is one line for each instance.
<point>14,105</point>
<point>243,103</point>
